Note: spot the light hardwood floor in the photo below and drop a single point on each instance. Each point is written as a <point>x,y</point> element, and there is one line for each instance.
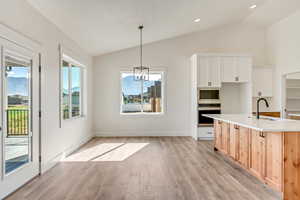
<point>164,168</point>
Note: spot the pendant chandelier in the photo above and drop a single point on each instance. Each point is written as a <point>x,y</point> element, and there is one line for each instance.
<point>141,73</point>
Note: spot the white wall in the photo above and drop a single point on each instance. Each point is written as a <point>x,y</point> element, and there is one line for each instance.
<point>236,98</point>
<point>230,97</point>
<point>173,54</point>
<point>20,16</point>
<point>283,50</point>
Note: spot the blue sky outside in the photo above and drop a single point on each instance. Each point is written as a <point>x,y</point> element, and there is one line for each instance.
<point>17,80</point>
<point>132,87</point>
<point>65,79</point>
<point>75,78</point>
<point>19,72</point>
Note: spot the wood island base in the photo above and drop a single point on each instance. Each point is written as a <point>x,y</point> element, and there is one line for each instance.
<point>273,157</point>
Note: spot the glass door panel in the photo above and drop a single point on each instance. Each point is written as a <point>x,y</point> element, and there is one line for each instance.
<point>17,117</point>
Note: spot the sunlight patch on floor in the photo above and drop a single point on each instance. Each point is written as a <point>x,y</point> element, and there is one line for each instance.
<point>121,153</point>
<point>92,153</point>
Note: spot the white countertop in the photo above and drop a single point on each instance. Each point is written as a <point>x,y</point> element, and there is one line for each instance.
<point>265,124</point>
<point>294,114</point>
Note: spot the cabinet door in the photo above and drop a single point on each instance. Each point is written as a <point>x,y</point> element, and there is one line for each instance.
<point>218,134</point>
<point>257,154</point>
<point>234,141</point>
<point>203,67</point>
<point>244,69</point>
<point>243,157</point>
<point>214,71</point>
<point>274,160</point>
<point>228,69</point>
<point>225,138</point>
<point>262,82</point>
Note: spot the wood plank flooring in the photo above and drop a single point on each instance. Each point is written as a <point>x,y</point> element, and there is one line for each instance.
<point>167,168</point>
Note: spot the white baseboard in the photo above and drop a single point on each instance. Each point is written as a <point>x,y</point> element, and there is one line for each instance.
<point>54,161</point>
<point>140,133</point>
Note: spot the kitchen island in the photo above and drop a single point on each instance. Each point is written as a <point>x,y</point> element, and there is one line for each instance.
<point>268,148</point>
<point>295,116</point>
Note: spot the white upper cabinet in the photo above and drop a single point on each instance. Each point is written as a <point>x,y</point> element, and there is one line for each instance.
<point>202,71</point>
<point>208,71</point>
<point>228,69</point>
<point>236,69</point>
<point>244,69</point>
<point>215,71</point>
<point>262,82</point>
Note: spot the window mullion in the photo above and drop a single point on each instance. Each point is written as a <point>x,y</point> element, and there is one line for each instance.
<point>142,96</point>
<point>81,92</point>
<point>70,90</point>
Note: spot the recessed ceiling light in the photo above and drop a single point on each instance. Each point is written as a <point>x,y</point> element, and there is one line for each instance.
<point>197,20</point>
<point>253,6</point>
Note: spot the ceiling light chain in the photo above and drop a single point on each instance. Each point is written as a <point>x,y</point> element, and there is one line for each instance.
<point>141,73</point>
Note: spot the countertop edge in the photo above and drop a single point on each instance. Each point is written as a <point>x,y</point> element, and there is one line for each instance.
<point>237,123</point>
<point>251,127</point>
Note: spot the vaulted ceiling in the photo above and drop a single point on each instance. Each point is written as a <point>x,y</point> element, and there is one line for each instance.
<point>102,26</point>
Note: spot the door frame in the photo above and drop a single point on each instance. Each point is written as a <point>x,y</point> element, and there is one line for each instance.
<point>15,53</point>
<point>21,42</point>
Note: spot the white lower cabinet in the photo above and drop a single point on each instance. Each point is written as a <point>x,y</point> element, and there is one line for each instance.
<point>205,133</point>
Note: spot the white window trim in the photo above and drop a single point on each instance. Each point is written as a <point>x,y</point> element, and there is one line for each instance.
<point>71,62</point>
<point>163,87</point>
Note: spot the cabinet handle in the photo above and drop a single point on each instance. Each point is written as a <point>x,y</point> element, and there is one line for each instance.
<point>262,135</point>
<point>259,94</point>
<point>237,78</point>
<point>236,127</point>
<point>209,83</point>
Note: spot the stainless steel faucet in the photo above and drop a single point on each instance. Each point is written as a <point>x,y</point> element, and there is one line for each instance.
<point>258,101</point>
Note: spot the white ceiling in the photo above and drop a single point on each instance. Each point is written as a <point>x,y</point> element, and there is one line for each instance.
<point>102,26</point>
<point>272,11</point>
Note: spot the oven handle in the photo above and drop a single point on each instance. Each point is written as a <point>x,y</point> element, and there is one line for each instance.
<point>209,109</point>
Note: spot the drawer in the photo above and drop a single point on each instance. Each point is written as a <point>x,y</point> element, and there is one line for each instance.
<point>205,133</point>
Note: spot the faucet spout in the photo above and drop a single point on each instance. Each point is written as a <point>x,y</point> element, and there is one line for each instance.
<point>258,101</point>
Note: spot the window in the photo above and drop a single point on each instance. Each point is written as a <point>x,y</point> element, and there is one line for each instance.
<point>142,96</point>
<point>72,74</point>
